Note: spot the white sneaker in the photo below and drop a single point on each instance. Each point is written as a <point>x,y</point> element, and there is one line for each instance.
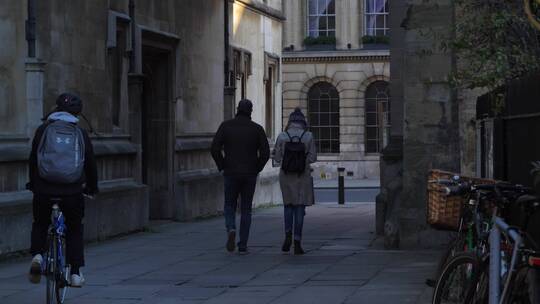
<point>35,269</point>
<point>77,280</point>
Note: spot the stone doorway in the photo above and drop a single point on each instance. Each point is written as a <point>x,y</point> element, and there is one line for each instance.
<point>158,129</point>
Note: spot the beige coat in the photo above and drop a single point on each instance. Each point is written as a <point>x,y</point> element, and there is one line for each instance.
<point>296,189</point>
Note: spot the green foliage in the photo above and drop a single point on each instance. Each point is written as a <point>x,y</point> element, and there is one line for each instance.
<point>493,41</point>
<point>376,40</point>
<point>321,40</point>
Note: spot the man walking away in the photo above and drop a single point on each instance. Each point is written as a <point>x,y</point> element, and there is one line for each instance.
<point>246,152</point>
<point>62,167</point>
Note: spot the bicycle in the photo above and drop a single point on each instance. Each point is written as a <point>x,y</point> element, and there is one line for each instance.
<point>512,272</point>
<point>459,276</point>
<point>55,268</point>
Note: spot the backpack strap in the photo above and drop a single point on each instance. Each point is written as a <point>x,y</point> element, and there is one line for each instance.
<point>301,136</point>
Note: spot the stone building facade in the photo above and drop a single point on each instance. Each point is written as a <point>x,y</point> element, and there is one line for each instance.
<point>336,68</point>
<point>157,78</point>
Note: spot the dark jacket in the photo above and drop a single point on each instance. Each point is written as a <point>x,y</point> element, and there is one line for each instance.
<point>245,145</point>
<point>41,186</point>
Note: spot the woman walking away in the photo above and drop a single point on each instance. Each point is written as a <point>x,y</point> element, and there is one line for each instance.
<point>294,152</point>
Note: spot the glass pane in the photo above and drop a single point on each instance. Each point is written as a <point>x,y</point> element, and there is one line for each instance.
<point>313,34</point>
<point>325,105</point>
<point>335,146</point>
<point>312,7</point>
<point>323,21</point>
<point>380,6</point>
<point>332,7</point>
<point>371,119</point>
<point>331,23</point>
<point>315,132</point>
<point>334,105</point>
<point>371,105</point>
<point>331,33</point>
<point>326,147</point>
<point>334,132</point>
<point>380,21</point>
<point>313,23</point>
<point>325,133</point>
<point>324,120</point>
<point>371,146</point>
<point>334,119</point>
<point>371,133</point>
<point>369,6</point>
<point>314,119</point>
<point>313,105</point>
<point>370,25</point>
<point>322,7</point>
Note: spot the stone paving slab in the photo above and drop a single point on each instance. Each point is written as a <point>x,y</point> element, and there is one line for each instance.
<point>186,263</point>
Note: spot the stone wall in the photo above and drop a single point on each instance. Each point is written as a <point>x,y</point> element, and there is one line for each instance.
<point>76,42</point>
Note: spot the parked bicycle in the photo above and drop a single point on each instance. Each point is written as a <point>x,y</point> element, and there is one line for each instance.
<point>468,276</point>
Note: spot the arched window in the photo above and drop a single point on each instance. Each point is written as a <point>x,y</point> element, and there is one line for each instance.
<point>377,116</point>
<point>323,109</point>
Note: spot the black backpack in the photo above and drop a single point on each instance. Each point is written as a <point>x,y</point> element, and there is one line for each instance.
<point>294,155</point>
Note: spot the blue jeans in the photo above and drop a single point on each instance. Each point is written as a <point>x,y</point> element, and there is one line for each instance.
<point>295,214</point>
<point>243,187</point>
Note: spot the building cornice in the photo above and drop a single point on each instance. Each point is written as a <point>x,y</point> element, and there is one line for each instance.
<point>337,58</point>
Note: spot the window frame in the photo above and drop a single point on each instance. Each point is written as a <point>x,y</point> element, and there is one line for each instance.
<point>309,15</point>
<point>385,14</point>
<point>333,138</point>
<point>382,117</point>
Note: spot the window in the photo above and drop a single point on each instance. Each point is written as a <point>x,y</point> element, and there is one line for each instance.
<point>376,12</point>
<point>321,18</point>
<point>323,109</point>
<point>377,116</point>
<point>242,67</point>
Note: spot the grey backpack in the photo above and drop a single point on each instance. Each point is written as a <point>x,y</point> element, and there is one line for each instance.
<point>60,154</point>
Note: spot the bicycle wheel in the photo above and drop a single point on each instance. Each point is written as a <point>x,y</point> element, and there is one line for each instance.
<point>455,281</point>
<point>62,273</point>
<point>525,288</point>
<point>456,246</point>
<point>478,292</point>
<point>51,272</point>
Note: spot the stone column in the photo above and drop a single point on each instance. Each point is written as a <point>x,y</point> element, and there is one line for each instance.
<point>34,94</point>
<point>354,23</point>
<point>342,24</point>
<point>298,22</point>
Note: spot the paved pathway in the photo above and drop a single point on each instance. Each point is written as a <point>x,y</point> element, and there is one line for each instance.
<point>187,263</point>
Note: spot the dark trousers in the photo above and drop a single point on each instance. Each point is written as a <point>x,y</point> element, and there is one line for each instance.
<point>294,217</point>
<point>243,187</point>
<point>72,208</point>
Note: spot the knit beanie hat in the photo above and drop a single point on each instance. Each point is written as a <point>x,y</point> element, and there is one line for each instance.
<point>70,103</point>
<point>245,106</point>
<point>298,117</point>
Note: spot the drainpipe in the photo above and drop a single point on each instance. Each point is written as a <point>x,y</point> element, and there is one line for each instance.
<point>31,28</point>
<point>229,89</point>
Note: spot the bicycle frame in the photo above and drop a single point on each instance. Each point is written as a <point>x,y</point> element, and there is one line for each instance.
<point>499,227</point>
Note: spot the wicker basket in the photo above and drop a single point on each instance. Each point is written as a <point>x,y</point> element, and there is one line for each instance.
<point>444,211</point>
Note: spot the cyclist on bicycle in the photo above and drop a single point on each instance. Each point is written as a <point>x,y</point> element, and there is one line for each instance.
<point>62,169</point>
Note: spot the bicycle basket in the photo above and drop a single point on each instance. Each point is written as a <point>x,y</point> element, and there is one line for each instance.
<point>444,211</point>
